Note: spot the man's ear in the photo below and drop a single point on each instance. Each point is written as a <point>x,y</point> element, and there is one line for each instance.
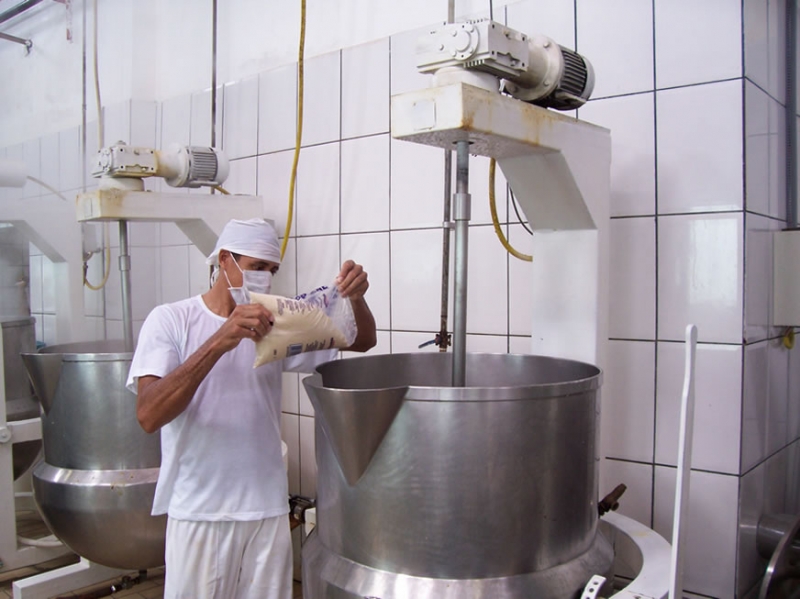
<point>224,256</point>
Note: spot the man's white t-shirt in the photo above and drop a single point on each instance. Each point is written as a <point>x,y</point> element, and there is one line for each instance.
<point>221,457</point>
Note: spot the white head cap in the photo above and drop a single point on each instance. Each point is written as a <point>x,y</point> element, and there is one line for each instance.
<point>254,238</point>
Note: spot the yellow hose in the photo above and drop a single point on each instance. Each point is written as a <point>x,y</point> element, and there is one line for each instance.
<point>107,247</point>
<point>496,222</point>
<point>222,190</point>
<point>788,338</point>
<point>299,135</point>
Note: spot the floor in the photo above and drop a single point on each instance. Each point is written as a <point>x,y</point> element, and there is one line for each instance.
<point>151,588</point>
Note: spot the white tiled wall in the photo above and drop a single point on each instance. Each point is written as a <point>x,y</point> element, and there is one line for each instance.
<point>697,189</point>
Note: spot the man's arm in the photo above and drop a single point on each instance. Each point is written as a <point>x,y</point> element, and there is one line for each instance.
<point>161,399</point>
<point>353,284</point>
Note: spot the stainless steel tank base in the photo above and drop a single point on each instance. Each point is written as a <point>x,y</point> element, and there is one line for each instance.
<point>335,577</point>
<point>96,484</point>
<point>489,488</point>
<point>102,514</point>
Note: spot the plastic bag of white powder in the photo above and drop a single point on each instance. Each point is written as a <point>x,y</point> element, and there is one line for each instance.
<point>320,319</point>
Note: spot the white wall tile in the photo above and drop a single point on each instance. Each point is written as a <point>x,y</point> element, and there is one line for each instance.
<point>777,49</point>
<point>290,394</point>
<point>416,280</point>
<point>321,97</point>
<point>405,76</point>
<point>39,325</point>
<point>632,289</point>
<point>718,393</point>
<point>700,153</point>
<point>290,433</point>
<point>757,149</point>
<point>697,41</point>
<point>556,20</point>
<point>274,176</point>
<point>117,123</point>
<point>631,120</point>
<point>242,177</point>
<point>36,289</point>
<point>628,401</point>
<point>286,282</point>
<point>143,281</point>
<point>318,262</point>
<point>141,234</point>
<point>240,121</point>
<point>49,330</point>
<point>700,276</point>
<point>49,291</point>
<point>176,114</point>
<point>778,407</point>
<point>277,109</point>
<point>520,277</point>
<point>70,160</point>
<point>519,345</point>
<point>308,460</point>
<point>638,478</point>
<point>758,277</point>
<point>114,329</point>
<point>170,234</point>
<point>756,41</point>
<point>200,125</point>
<point>31,155</point>
<point>174,273</point>
<point>144,119</point>
<point>372,252</point>
<point>365,184</point>
<point>365,89</point>
<point>317,209</point>
<point>417,185</point>
<point>777,160</point>
<point>198,272</point>
<point>755,401</point>
<point>794,393</point>
<point>487,283</point>
<point>710,550</point>
<point>617,38</point>
<point>50,169</point>
<point>487,344</point>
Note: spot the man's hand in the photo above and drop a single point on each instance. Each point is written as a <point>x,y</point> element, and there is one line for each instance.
<point>352,280</point>
<point>247,321</point>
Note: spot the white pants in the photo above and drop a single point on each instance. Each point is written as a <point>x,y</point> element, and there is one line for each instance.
<point>228,560</point>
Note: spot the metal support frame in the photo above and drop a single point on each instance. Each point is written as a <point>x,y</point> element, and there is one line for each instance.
<point>125,279</point>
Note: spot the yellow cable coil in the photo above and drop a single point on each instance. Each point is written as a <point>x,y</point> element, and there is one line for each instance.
<point>299,136</point>
<point>496,222</point>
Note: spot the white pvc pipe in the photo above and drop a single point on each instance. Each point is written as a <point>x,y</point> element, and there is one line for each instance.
<point>679,525</point>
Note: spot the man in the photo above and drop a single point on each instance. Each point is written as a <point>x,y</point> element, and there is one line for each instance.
<point>222,481</point>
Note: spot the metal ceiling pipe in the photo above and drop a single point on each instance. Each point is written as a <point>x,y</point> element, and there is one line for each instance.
<point>18,10</point>
<point>18,40</point>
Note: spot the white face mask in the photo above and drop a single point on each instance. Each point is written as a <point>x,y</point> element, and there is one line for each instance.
<point>255,281</point>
